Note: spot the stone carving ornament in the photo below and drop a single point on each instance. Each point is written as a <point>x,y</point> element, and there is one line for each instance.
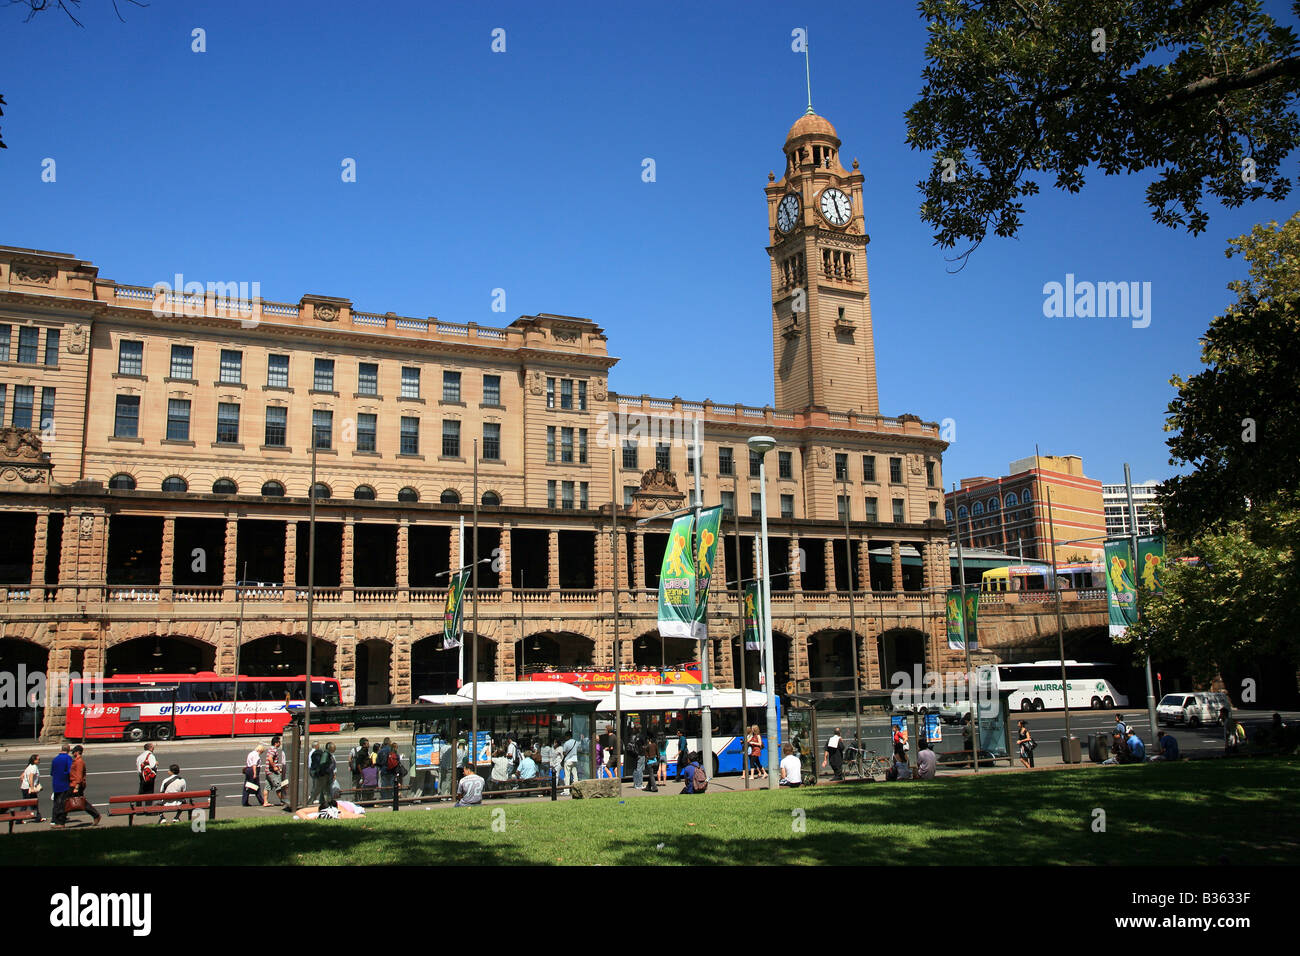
<point>657,479</point>
<point>87,527</point>
<point>598,390</point>
<point>823,457</point>
<point>327,313</point>
<point>535,382</point>
<point>28,273</point>
<point>20,443</point>
<point>77,340</point>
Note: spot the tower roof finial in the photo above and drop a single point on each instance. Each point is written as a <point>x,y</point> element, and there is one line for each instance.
<point>807,71</point>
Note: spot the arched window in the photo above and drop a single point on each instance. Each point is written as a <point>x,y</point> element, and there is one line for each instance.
<point>1026,497</point>
<point>1011,500</point>
<point>450,497</point>
<point>122,482</point>
<point>993,504</point>
<point>175,483</point>
<point>273,489</point>
<point>408,494</point>
<point>224,486</point>
<point>491,499</point>
<point>978,509</point>
<point>320,490</point>
<point>961,511</point>
<point>947,514</point>
<point>364,493</point>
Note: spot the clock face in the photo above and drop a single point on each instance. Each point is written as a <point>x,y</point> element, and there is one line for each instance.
<point>836,207</point>
<point>787,214</point>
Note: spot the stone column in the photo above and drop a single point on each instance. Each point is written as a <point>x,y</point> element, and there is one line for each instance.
<point>68,562</point>
<point>553,559</point>
<point>620,568</point>
<point>403,559</point>
<point>347,562</point>
<point>896,559</point>
<point>796,577</point>
<point>345,664</point>
<point>864,565</point>
<point>798,652</point>
<point>227,637</point>
<point>290,561</point>
<point>832,580</point>
<point>39,546</point>
<point>399,666</point>
<point>168,560</point>
<point>228,571</point>
<point>507,567</point>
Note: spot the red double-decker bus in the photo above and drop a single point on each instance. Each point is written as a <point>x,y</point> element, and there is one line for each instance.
<point>165,706</point>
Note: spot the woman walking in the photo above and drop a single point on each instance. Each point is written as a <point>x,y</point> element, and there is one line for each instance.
<point>651,766</point>
<point>661,757</point>
<point>754,747</point>
<point>1025,743</point>
<point>29,783</point>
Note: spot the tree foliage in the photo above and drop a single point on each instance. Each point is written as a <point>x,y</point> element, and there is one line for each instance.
<point>1200,93</point>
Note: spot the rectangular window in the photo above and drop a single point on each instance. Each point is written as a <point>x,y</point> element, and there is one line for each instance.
<point>662,457</point>
<point>868,467</point>
<point>51,347</point>
<point>277,371</point>
<point>787,506</point>
<point>582,396</point>
<point>5,332</point>
<point>410,382</point>
<point>451,438</point>
<point>566,495</point>
<point>550,393</point>
<point>491,441</point>
<point>410,435</point>
<point>898,511</point>
<point>550,443</point>
<point>227,422</point>
<point>277,425</point>
<point>4,395</point>
<point>929,474</point>
<point>566,445</point>
<point>24,400</point>
<point>130,358</point>
<point>232,366</point>
<point>755,462</point>
<point>47,409</point>
<point>785,467</point>
<point>322,379</point>
<point>691,455</point>
<point>582,446</point>
<point>178,419</point>
<point>550,494</point>
<point>566,393</point>
<point>582,495</point>
<point>126,419</point>
<point>871,510</point>
<point>367,431</point>
<point>628,492</point>
<point>367,378</point>
<point>841,506</point>
<point>322,424</point>
<point>755,504</point>
<point>896,470</point>
<point>841,467</point>
<point>29,338</point>
<point>726,462</point>
<point>630,454</point>
<point>934,509</point>
<point>728,502</point>
<point>451,386</point>
<point>182,362</point>
<point>491,389</point>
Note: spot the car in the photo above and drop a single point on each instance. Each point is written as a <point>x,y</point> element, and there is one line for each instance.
<point>954,713</point>
<point>1192,709</point>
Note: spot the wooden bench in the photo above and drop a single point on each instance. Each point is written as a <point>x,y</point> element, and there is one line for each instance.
<point>15,811</point>
<point>153,803</point>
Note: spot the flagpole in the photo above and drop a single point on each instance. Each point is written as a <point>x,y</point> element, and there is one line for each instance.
<point>460,628</point>
<point>706,688</point>
<point>965,643</point>
<point>473,654</point>
<point>311,600</point>
<point>1060,631</point>
<point>1133,537</point>
<point>618,701</point>
<point>744,670</point>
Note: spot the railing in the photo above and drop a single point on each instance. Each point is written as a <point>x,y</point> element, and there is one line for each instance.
<point>1090,594</point>
<point>206,595</point>
<point>490,333</point>
<point>134,292</point>
<point>324,595</point>
<point>577,597</point>
<point>17,594</point>
<point>133,594</point>
<point>447,328</point>
<point>279,308</point>
<point>376,595</point>
<point>369,318</point>
<point>418,325</point>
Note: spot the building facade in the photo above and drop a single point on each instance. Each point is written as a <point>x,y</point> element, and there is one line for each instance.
<point>156,478</point>
<point>1012,514</point>
<point>1115,500</point>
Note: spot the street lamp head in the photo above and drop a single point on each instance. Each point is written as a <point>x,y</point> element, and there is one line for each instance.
<point>762,444</point>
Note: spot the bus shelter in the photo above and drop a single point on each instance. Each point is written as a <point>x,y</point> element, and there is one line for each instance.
<point>439,730</point>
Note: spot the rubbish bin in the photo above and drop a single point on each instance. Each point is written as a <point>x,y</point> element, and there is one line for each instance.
<point>1070,750</point>
<point>1099,747</point>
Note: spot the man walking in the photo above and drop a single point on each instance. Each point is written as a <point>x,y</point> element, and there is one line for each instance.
<point>358,758</point>
<point>146,768</point>
<point>636,748</point>
<point>835,754</point>
<point>60,773</point>
<point>569,757</point>
<point>77,782</point>
<point>251,768</point>
<point>328,767</point>
<point>274,780</point>
<point>388,760</point>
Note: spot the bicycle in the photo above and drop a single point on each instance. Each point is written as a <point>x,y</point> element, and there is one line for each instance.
<point>865,763</point>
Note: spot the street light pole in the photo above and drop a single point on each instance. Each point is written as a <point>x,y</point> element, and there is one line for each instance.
<point>1133,539</point>
<point>617,760</point>
<point>706,689</point>
<point>311,600</point>
<point>965,643</point>
<point>762,444</point>
<point>744,669</point>
<point>853,625</point>
<point>473,654</point>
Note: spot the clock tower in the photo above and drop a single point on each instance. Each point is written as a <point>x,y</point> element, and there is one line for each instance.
<point>821,303</point>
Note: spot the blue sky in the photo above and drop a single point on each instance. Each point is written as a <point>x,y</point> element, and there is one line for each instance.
<point>522,171</point>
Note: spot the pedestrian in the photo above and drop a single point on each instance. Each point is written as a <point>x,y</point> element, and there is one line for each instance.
<point>1121,728</point>
<point>557,759</point>
<point>967,733</point>
<point>29,783</point>
<point>569,760</point>
<point>77,799</point>
<point>146,768</point>
<point>513,754</point>
<point>1137,751</point>
<point>636,751</point>
<point>60,771</point>
<point>925,761</point>
<point>358,757</point>
<point>683,749</point>
<point>251,765</point>
<point>755,744</point>
<point>601,770</point>
<point>275,782</point>
<point>900,741</point>
<point>791,768</point>
<point>900,770</point>
<point>1025,745</point>
<point>173,784</point>
<point>651,757</point>
<point>686,771</point>
<point>835,754</point>
<point>500,779</point>
<point>661,756</point>
<point>328,768</point>
<point>470,791</point>
<point>388,762</point>
<point>369,779</point>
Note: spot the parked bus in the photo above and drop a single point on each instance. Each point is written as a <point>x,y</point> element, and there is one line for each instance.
<point>674,709</point>
<point>140,707</point>
<point>1037,685</point>
<point>1017,577</point>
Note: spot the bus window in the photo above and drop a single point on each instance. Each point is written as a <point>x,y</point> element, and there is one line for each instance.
<point>324,694</point>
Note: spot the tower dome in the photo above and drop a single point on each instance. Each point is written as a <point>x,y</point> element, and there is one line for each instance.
<point>812,124</point>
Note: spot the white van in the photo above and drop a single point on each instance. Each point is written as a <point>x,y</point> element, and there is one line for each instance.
<point>1200,707</point>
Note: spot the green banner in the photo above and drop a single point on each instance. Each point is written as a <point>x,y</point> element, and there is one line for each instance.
<point>972,617</point>
<point>956,615</point>
<point>677,583</point>
<point>706,549</point>
<point>1151,562</point>
<point>1121,598</point>
<point>452,612</point>
<point>753,630</point>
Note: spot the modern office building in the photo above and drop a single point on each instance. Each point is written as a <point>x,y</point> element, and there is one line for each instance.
<point>1115,500</point>
<point>156,473</point>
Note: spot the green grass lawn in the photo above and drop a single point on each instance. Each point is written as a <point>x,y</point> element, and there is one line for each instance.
<point>1203,812</point>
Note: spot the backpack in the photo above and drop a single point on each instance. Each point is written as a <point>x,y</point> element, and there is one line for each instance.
<point>394,761</point>
<point>147,773</point>
<point>354,764</point>
<point>701,780</point>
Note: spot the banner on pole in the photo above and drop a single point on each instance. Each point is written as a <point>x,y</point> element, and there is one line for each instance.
<point>677,582</point>
<point>1151,562</point>
<point>971,617</point>
<point>452,612</point>
<point>1121,598</point>
<point>956,614</point>
<point>753,635</point>
<point>706,548</point>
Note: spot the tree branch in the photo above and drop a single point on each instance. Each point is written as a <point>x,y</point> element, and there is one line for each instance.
<point>1218,85</point>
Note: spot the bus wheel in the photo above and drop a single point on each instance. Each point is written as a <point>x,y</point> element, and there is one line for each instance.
<point>1038,704</point>
<point>1109,701</point>
<point>1026,704</point>
<point>164,732</point>
<point>134,733</point>
<point>1096,703</point>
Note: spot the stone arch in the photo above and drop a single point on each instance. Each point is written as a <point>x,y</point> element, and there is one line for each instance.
<point>283,653</point>
<point>901,650</point>
<point>161,652</point>
<point>830,659</point>
<point>21,656</point>
<point>649,650</point>
<point>435,670</point>
<point>203,632</point>
<point>556,649</point>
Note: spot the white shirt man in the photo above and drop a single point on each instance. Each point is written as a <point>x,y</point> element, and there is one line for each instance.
<point>791,769</point>
<point>146,759</point>
<point>470,790</point>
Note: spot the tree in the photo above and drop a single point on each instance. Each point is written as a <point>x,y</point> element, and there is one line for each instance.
<point>1200,93</point>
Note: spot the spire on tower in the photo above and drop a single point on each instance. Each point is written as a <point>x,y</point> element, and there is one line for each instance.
<point>807,72</point>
